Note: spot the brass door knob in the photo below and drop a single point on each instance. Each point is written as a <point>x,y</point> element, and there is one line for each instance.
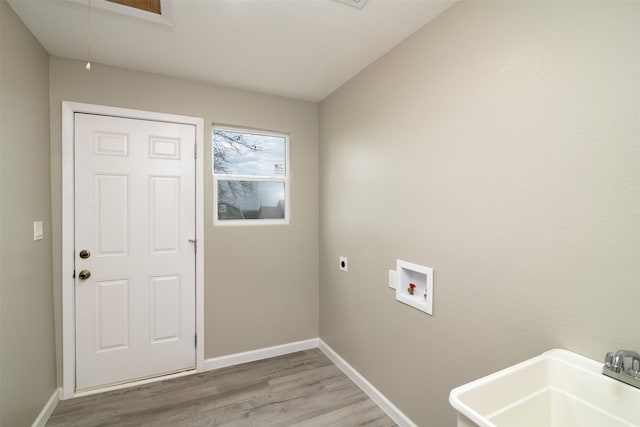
<point>84,254</point>
<point>84,274</point>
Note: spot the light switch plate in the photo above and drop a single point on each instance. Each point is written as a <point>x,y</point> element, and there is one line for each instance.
<point>392,279</point>
<point>38,231</point>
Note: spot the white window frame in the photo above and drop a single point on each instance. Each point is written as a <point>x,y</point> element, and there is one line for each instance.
<point>286,179</point>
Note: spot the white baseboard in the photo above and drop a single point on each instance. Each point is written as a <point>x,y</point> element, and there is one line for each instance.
<point>389,408</point>
<point>48,409</point>
<point>259,354</point>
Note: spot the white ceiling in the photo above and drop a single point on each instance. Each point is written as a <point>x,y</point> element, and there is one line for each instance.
<point>302,49</point>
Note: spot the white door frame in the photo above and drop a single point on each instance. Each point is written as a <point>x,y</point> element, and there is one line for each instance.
<point>68,226</point>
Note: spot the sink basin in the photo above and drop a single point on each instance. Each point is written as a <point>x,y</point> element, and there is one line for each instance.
<point>556,388</point>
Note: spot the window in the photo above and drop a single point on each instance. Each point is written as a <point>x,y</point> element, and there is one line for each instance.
<point>250,177</point>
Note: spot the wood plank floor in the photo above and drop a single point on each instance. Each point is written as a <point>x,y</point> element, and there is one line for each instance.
<point>298,389</point>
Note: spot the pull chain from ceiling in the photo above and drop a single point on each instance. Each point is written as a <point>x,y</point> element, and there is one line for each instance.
<point>88,66</point>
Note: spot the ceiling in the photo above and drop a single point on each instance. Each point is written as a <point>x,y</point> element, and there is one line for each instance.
<point>303,49</point>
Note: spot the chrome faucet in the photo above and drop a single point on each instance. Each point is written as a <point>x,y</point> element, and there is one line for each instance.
<point>615,366</point>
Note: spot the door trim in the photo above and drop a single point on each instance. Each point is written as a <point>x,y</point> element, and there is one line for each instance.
<point>68,317</point>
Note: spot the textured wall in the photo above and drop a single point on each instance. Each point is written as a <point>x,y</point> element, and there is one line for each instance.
<point>27,360</point>
<point>499,145</point>
<point>261,283</point>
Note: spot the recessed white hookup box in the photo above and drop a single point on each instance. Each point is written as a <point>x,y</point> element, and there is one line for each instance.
<point>414,285</point>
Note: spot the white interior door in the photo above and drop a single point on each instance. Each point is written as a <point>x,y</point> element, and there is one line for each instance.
<point>135,217</point>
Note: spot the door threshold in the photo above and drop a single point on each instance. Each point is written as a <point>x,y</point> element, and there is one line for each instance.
<point>135,383</point>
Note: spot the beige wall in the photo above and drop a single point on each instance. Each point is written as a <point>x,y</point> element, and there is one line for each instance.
<point>261,283</point>
<point>499,145</point>
<point>27,363</point>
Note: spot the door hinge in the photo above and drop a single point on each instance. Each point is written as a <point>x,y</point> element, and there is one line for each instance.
<point>195,151</point>
<point>74,274</point>
<point>195,340</point>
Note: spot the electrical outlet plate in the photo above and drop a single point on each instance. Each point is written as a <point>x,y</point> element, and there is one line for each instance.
<point>414,286</point>
<point>344,266</point>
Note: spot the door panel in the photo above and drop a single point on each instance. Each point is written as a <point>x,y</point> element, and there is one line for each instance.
<point>164,213</point>
<point>111,214</point>
<point>112,315</point>
<point>165,308</point>
<point>135,214</point>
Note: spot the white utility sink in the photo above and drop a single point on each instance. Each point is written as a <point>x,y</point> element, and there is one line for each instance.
<point>556,389</point>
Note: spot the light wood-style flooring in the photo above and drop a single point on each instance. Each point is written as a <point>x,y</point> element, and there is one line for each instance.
<point>298,389</point>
